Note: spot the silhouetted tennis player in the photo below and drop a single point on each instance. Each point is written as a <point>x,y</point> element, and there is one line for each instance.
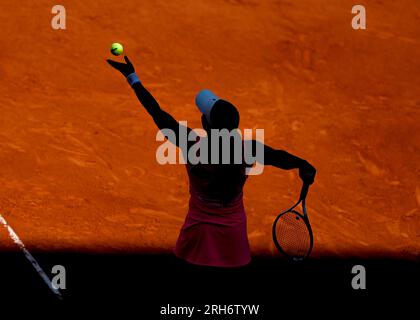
<point>214,232</point>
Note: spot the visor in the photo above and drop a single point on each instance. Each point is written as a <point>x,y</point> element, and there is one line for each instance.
<point>205,101</point>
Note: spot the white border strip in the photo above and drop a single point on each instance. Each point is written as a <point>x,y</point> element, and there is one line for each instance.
<point>29,256</point>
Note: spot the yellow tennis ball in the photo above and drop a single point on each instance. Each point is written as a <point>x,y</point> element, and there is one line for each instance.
<point>117,49</point>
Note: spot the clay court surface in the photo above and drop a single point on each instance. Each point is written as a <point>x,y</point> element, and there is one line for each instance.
<point>77,151</point>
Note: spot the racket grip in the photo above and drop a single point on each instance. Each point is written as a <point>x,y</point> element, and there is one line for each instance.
<point>304,191</point>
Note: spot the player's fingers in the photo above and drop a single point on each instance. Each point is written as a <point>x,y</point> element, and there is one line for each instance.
<point>114,64</point>
<point>111,62</point>
<point>127,60</point>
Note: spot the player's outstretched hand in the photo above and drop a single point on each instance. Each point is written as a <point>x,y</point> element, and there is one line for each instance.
<point>125,68</point>
<point>307,173</point>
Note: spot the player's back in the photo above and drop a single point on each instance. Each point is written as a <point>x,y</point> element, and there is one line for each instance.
<point>219,185</point>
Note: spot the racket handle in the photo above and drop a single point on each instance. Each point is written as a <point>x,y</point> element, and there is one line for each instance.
<point>304,191</point>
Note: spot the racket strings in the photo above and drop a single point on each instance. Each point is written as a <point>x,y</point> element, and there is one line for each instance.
<point>292,235</point>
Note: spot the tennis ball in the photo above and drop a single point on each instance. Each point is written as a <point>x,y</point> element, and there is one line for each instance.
<point>116,49</point>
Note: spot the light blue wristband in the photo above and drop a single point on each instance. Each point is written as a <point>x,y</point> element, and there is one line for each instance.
<point>132,78</point>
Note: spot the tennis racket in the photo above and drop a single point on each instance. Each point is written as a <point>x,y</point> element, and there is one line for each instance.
<point>292,233</point>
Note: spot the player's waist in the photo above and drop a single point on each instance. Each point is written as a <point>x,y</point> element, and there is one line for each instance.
<point>217,202</point>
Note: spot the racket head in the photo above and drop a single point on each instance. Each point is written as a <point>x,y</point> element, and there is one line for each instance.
<point>292,233</point>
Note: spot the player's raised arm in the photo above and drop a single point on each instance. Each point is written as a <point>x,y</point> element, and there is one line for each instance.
<point>162,119</point>
<point>284,160</point>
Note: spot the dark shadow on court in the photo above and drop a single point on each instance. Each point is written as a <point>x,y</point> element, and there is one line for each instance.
<point>150,281</point>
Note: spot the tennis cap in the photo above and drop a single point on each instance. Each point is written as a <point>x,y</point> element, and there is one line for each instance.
<point>205,101</point>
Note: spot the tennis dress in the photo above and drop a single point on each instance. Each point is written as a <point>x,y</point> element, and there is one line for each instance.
<point>215,228</point>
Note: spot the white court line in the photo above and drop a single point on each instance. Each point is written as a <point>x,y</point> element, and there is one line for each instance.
<point>29,256</point>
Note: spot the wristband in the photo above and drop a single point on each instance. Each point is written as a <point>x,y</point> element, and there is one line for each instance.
<point>132,78</point>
